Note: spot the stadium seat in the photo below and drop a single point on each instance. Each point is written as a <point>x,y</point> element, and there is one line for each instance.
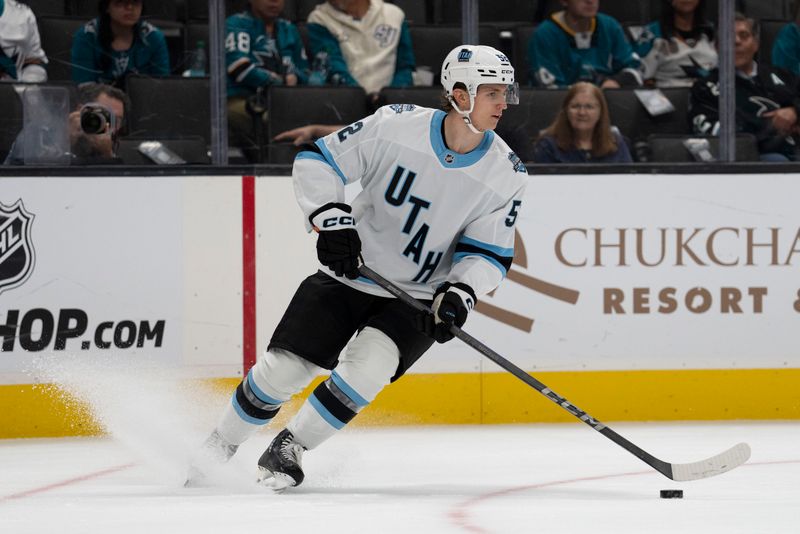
<point>10,118</point>
<point>169,107</point>
<point>416,10</point>
<point>432,43</point>
<point>56,34</point>
<point>516,11</point>
<point>291,107</point>
<point>772,9</point>
<point>635,123</point>
<point>519,59</point>
<point>769,31</point>
<point>192,150</point>
<point>429,97</point>
<point>670,148</point>
<point>48,8</point>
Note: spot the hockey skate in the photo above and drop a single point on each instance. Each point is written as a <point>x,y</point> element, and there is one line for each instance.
<point>216,450</point>
<point>279,467</point>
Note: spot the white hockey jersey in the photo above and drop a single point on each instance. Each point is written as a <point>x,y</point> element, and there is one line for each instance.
<point>425,214</point>
<point>20,43</point>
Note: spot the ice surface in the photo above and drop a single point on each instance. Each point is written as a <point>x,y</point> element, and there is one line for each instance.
<point>552,479</point>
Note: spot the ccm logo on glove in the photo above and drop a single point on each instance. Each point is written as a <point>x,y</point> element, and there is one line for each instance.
<point>338,244</point>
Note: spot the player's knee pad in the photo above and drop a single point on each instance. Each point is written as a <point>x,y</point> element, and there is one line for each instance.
<point>369,363</point>
<point>271,382</point>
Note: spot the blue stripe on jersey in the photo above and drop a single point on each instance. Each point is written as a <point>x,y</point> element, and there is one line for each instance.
<point>241,413</point>
<point>494,249</point>
<point>350,392</point>
<point>258,393</point>
<point>444,154</point>
<point>325,414</point>
<point>329,159</point>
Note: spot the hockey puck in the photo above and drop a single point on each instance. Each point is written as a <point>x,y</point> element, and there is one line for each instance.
<point>672,494</point>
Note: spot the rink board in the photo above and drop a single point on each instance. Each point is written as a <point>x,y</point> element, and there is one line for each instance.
<point>637,297</point>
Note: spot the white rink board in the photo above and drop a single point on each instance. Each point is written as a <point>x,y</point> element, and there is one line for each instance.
<point>170,249</point>
<point>582,336</point>
<point>125,252</point>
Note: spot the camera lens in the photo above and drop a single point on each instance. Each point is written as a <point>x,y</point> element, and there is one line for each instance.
<point>93,120</point>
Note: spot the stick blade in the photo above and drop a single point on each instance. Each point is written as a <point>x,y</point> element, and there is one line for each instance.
<point>716,465</point>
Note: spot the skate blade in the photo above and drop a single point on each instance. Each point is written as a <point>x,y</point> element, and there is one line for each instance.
<point>276,482</point>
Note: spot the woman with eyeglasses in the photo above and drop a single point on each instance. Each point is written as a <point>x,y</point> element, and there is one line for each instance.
<point>116,43</point>
<point>582,131</point>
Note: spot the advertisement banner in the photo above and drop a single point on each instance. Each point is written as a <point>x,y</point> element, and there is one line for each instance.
<point>89,266</point>
<point>646,272</point>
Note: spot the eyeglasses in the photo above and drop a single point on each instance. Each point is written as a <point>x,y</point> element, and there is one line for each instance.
<point>583,107</point>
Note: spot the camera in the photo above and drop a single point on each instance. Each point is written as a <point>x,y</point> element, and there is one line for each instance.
<point>97,119</point>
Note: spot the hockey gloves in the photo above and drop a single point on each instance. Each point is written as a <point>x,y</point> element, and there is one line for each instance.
<point>451,304</point>
<point>338,244</point>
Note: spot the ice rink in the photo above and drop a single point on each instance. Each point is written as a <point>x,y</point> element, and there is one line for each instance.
<point>481,479</point>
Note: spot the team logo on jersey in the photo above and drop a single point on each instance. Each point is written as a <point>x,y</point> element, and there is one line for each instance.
<point>17,256</point>
<point>449,158</point>
<point>464,55</point>
<point>517,163</point>
<point>399,108</point>
<point>385,35</point>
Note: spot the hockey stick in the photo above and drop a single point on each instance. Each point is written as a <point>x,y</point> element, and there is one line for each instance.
<point>716,465</point>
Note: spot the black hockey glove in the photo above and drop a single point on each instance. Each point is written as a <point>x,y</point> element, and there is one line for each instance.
<point>451,304</point>
<point>338,244</point>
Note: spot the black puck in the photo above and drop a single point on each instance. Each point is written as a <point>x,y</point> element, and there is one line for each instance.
<point>672,494</point>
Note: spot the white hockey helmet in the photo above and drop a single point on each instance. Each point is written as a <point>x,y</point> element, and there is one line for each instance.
<point>475,65</point>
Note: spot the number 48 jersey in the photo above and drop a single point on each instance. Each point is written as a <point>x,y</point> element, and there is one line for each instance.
<point>425,214</point>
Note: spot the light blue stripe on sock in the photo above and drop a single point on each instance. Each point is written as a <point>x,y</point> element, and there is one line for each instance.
<point>247,418</point>
<point>350,392</point>
<point>325,414</point>
<point>260,394</point>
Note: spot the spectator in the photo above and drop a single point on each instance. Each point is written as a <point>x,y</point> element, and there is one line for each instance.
<point>679,47</point>
<point>767,98</point>
<point>116,43</point>
<point>261,49</point>
<point>580,44</point>
<point>366,43</point>
<point>89,147</point>
<point>786,49</point>
<point>582,131</point>
<point>21,54</point>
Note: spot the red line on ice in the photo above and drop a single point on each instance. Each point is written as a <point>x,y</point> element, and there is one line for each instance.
<point>67,482</point>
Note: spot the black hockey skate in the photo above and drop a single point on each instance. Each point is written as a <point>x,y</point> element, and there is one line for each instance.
<point>279,467</point>
<point>215,451</point>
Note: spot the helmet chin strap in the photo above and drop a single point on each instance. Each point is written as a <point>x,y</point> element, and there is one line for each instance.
<point>465,114</point>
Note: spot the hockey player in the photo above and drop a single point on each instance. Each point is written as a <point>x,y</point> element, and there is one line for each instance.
<point>21,54</point>
<point>441,195</point>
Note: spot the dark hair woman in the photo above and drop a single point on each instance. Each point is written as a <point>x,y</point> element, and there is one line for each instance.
<point>116,43</point>
<point>677,48</point>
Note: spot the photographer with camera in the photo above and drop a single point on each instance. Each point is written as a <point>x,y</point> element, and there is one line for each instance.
<point>94,126</point>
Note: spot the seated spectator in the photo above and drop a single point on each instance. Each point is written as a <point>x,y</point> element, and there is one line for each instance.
<point>580,44</point>
<point>786,49</point>
<point>582,131</point>
<point>678,48</point>
<point>21,54</point>
<point>116,43</point>
<point>261,49</point>
<point>364,42</point>
<point>767,98</point>
<point>89,147</point>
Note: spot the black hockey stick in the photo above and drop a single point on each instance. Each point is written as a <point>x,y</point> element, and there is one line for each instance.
<point>716,465</point>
